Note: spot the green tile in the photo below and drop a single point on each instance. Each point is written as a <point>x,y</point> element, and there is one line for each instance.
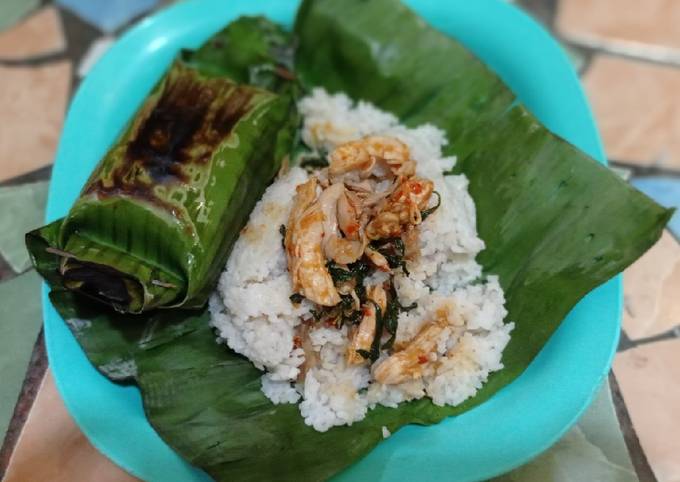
<point>600,426</point>
<point>23,209</point>
<point>572,459</point>
<point>11,11</point>
<point>20,321</point>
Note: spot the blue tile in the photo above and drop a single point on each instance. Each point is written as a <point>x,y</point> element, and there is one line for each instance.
<point>108,15</point>
<point>665,191</point>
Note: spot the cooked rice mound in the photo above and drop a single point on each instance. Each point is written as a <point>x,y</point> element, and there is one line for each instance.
<point>253,314</point>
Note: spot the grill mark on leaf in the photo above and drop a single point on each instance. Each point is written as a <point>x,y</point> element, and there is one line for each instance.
<point>184,127</point>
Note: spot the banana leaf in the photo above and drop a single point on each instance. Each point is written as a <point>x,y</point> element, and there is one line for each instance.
<point>556,225</point>
<point>251,50</point>
<point>158,216</point>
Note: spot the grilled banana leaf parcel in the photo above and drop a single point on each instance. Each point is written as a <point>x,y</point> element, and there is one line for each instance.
<point>157,217</point>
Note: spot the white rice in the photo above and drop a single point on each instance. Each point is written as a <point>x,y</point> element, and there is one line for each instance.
<point>253,314</point>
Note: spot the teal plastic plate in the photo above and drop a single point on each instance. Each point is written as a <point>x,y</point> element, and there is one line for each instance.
<point>515,425</point>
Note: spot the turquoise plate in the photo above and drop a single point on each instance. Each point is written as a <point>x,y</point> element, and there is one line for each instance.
<point>518,423</point>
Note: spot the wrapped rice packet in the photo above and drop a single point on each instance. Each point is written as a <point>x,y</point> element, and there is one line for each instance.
<point>157,218</point>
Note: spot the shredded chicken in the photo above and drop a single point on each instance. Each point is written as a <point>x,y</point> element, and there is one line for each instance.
<point>408,364</point>
<point>340,249</point>
<point>365,156</point>
<point>301,340</point>
<point>306,260</point>
<point>378,260</point>
<point>305,195</point>
<point>349,157</point>
<point>368,192</point>
<point>401,210</point>
<point>411,240</point>
<point>362,187</point>
<point>362,337</point>
<point>349,215</point>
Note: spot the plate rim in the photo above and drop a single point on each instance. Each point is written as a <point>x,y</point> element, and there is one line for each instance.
<point>159,17</point>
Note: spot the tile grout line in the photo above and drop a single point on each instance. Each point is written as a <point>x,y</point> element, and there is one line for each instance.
<point>35,61</point>
<point>645,171</point>
<point>626,343</point>
<point>666,56</point>
<point>40,174</point>
<point>544,11</point>
<point>636,453</point>
<point>6,271</point>
<point>35,373</point>
<point>666,335</point>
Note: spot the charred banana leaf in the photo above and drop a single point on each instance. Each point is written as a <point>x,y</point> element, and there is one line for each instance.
<point>156,220</point>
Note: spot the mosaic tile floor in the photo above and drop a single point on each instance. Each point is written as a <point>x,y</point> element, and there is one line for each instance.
<point>628,55</point>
